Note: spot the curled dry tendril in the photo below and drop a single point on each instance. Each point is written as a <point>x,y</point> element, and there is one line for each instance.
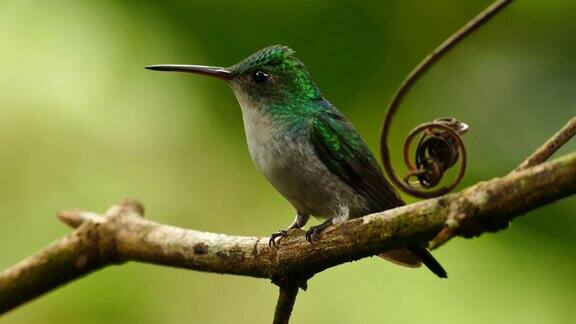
<point>439,149</point>
<point>440,146</point>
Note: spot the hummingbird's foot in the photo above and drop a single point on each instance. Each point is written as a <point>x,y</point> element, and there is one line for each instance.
<point>314,231</point>
<point>277,235</point>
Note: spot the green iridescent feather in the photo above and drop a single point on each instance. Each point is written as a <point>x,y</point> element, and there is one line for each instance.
<point>294,83</point>
<point>271,55</point>
<point>343,151</point>
<point>296,104</point>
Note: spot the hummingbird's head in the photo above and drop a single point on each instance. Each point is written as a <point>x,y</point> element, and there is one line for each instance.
<point>271,77</point>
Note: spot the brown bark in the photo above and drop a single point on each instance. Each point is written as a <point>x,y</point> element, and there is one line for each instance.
<point>122,234</point>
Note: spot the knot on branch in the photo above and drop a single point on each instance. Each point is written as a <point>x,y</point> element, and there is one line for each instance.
<point>465,219</point>
<point>283,281</point>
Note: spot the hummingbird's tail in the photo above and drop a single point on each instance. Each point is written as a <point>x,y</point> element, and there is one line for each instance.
<point>413,257</point>
<point>429,261</point>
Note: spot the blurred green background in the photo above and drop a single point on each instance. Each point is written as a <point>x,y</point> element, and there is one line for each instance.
<point>82,124</point>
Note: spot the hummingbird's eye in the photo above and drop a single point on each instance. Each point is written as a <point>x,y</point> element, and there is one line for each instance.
<point>260,77</point>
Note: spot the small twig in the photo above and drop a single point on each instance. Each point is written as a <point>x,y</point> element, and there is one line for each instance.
<point>61,262</point>
<point>85,250</point>
<point>286,299</point>
<point>552,145</point>
<point>539,156</point>
<point>414,76</point>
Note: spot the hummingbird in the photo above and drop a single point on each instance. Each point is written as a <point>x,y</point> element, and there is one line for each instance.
<point>306,147</point>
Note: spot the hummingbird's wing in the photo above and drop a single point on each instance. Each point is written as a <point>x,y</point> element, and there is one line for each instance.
<point>343,151</point>
<point>345,154</point>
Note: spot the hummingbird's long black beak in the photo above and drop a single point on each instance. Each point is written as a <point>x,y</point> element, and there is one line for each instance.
<point>213,71</point>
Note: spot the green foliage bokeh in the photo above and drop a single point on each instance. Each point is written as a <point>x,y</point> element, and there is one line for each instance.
<point>82,124</point>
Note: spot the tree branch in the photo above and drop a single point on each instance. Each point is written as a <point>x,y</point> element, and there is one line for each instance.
<point>552,145</point>
<point>286,300</point>
<point>122,234</point>
<point>542,154</point>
